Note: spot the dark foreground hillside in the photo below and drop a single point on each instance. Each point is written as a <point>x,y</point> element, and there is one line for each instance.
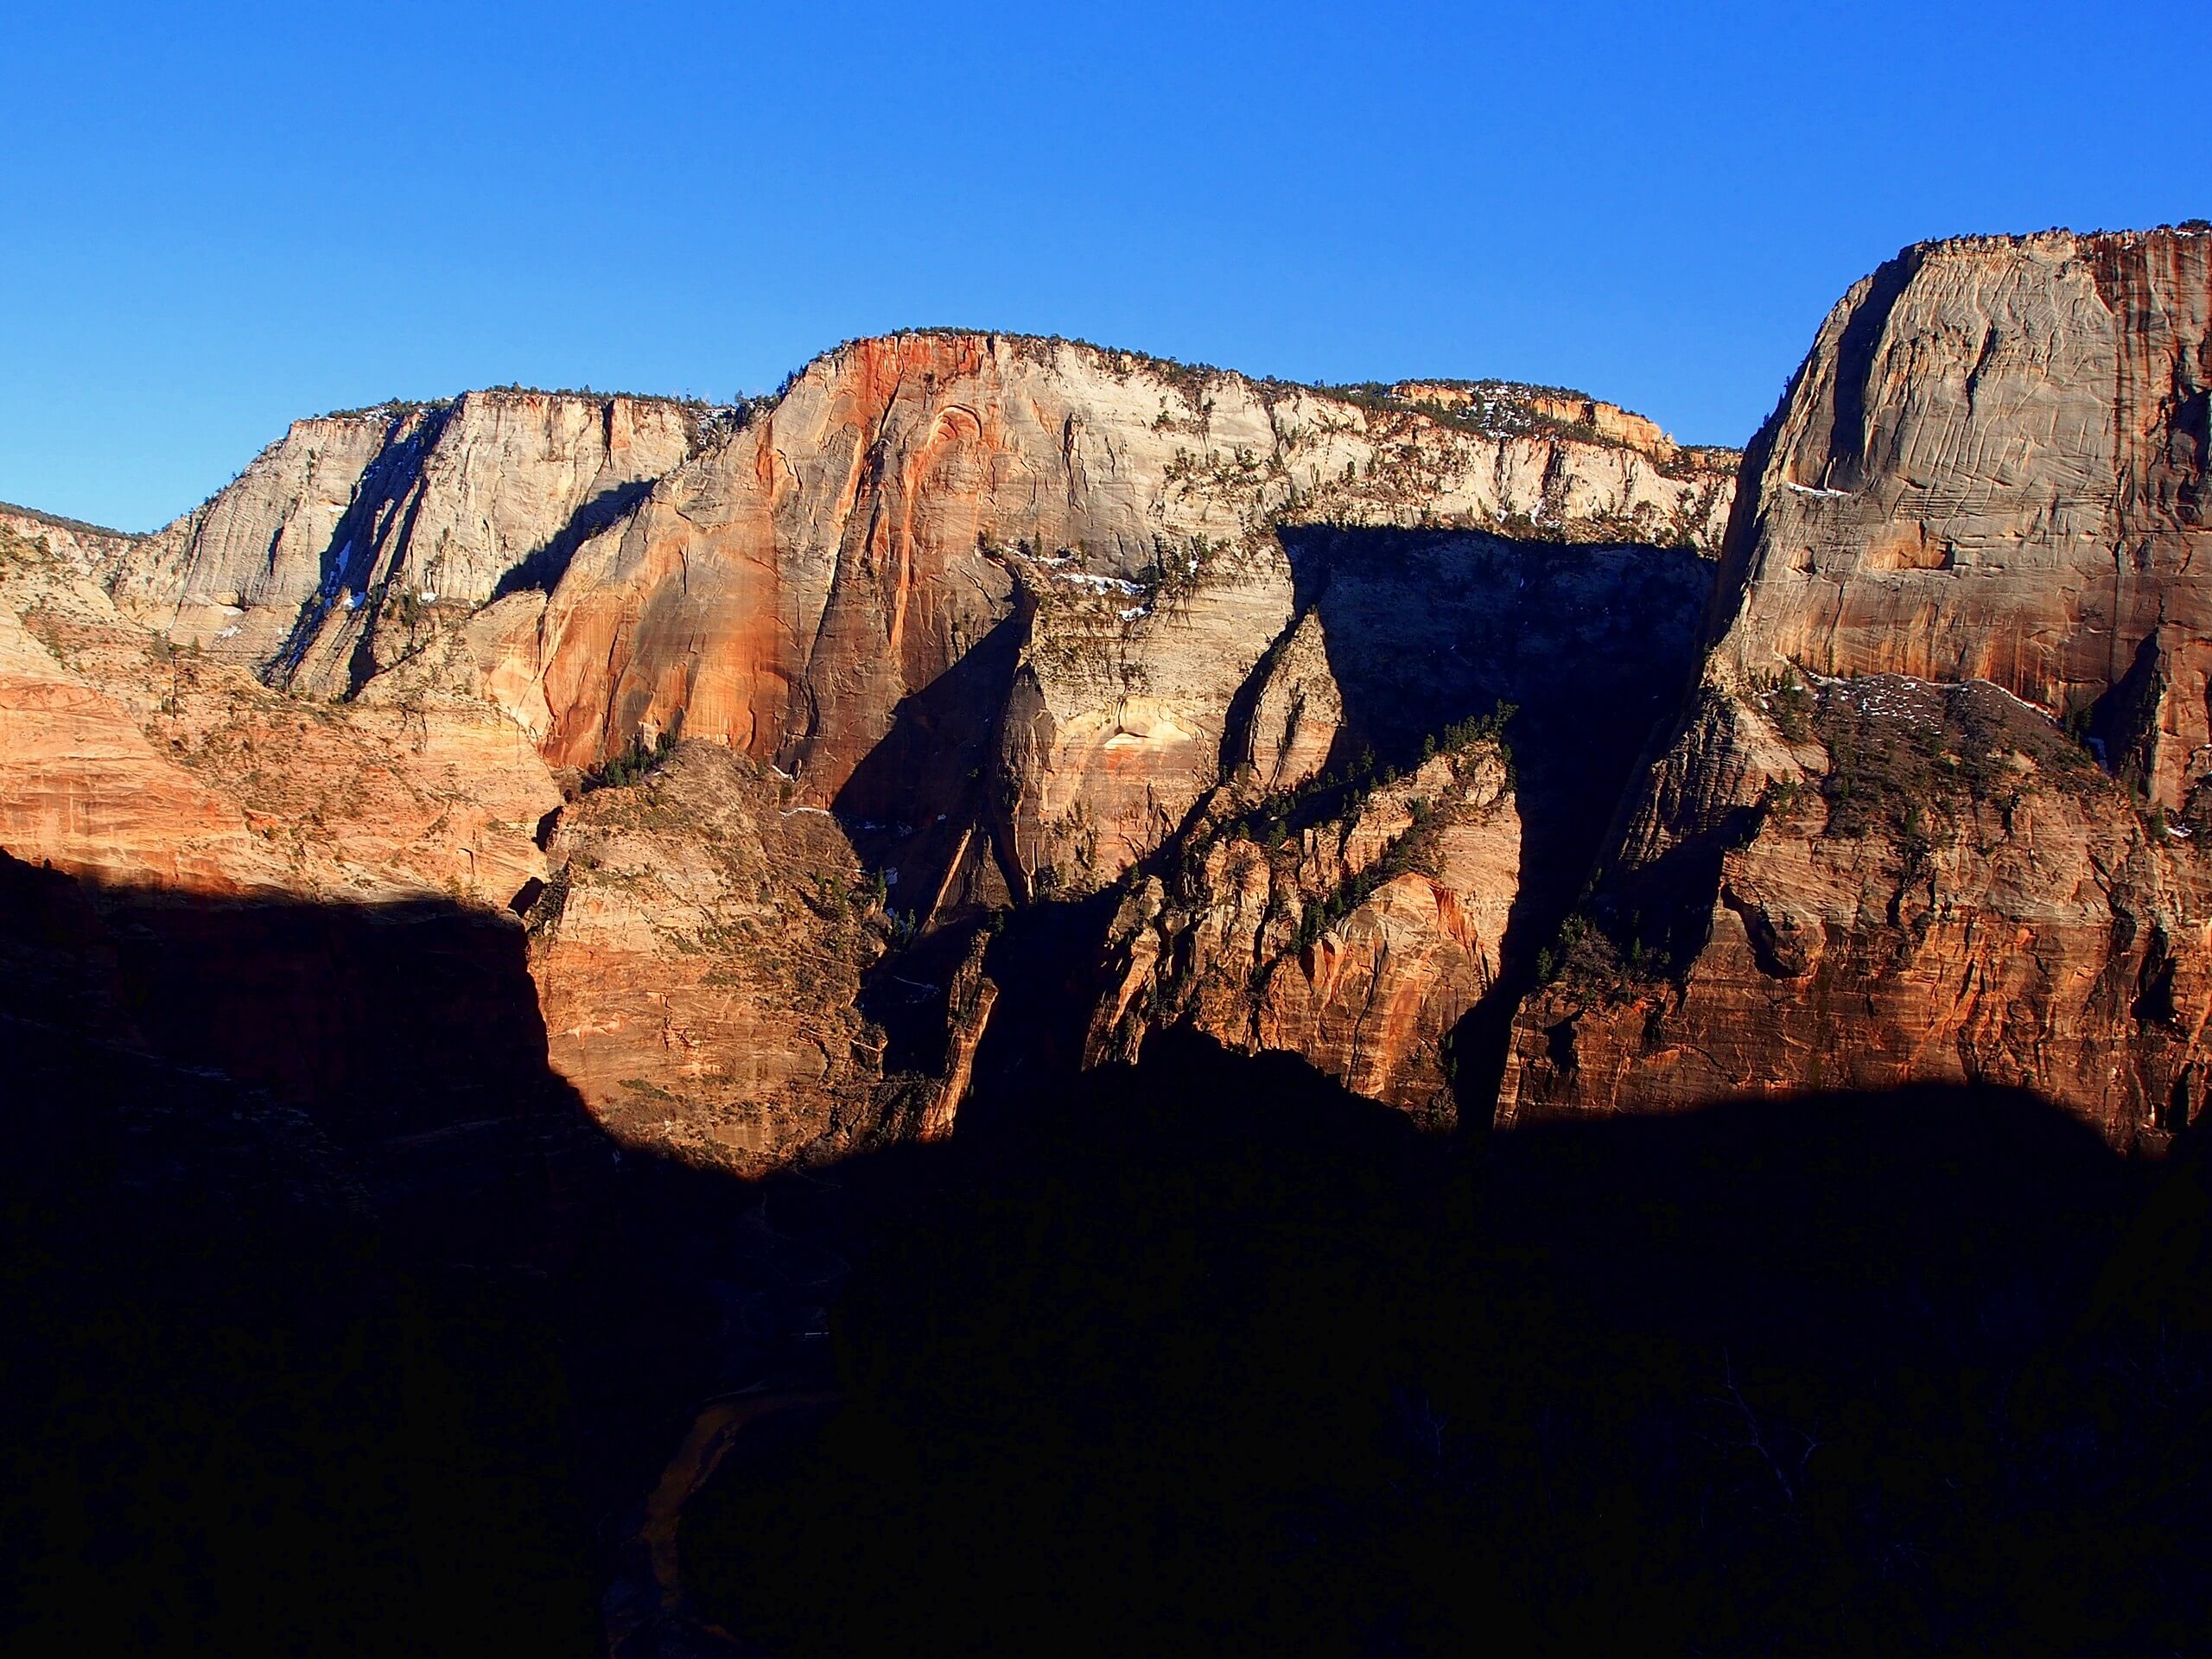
<point>1203,1356</point>
<point>1208,1357</point>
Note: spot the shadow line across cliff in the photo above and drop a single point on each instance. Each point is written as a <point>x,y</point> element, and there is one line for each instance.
<point>336,1325</point>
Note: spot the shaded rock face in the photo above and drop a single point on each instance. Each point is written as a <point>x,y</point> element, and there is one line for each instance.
<point>989,598</point>
<point>968,622</point>
<point>696,942</point>
<point>1305,908</point>
<point>1008,609</point>
<point>1989,470</point>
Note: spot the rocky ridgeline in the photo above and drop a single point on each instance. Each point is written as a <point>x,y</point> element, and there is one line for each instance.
<point>979,622</point>
<point>1321,706</point>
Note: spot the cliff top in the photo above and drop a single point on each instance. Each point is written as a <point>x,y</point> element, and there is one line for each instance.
<point>393,407</point>
<point>1492,407</point>
<point>8,510</point>
<point>2056,235</point>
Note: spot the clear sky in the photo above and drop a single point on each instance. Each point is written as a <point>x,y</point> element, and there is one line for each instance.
<point>219,216</point>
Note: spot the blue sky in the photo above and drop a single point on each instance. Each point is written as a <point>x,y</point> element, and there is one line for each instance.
<point>219,217</point>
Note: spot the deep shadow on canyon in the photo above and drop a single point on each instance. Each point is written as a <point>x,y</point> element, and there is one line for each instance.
<point>337,1327</point>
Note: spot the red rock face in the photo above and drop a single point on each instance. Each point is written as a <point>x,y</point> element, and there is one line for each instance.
<point>1991,469</point>
<point>1068,556</point>
<point>1000,604</point>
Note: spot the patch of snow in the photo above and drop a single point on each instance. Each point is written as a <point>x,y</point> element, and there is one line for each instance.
<point>2032,707</point>
<point>1807,489</point>
<point>227,632</point>
<point>1134,612</point>
<point>1096,584</point>
<point>428,597</point>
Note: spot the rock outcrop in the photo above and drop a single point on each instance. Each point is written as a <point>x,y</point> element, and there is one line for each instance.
<point>1993,465</point>
<point>130,759</point>
<point>962,621</point>
<point>985,618</point>
<point>91,549</point>
<point>1407,643</point>
<point>1502,407</point>
<point>1871,855</point>
<point>1354,926</point>
<point>699,956</point>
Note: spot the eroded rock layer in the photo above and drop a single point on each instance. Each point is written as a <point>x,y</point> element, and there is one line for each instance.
<point>1410,646</point>
<point>1993,465</point>
<point>990,595</point>
<point>701,955</point>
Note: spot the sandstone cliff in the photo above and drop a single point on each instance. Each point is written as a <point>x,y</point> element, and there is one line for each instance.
<point>128,758</point>
<point>90,547</point>
<point>965,620</point>
<point>1993,465</point>
<point>701,956</point>
<point>1572,657</point>
<point>993,595</point>
<point>1008,609</point>
<point>1989,472</point>
<point>331,555</point>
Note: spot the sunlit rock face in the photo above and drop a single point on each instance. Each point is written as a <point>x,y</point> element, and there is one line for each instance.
<point>1357,940</point>
<point>995,596</point>
<point>1993,465</point>
<point>341,546</point>
<point>1853,867</point>
<point>130,759</point>
<point>974,620</point>
<point>992,596</point>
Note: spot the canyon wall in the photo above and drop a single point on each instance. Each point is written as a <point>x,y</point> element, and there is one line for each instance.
<point>972,621</point>
<point>748,720</point>
<point>920,533</point>
<point>1871,854</point>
